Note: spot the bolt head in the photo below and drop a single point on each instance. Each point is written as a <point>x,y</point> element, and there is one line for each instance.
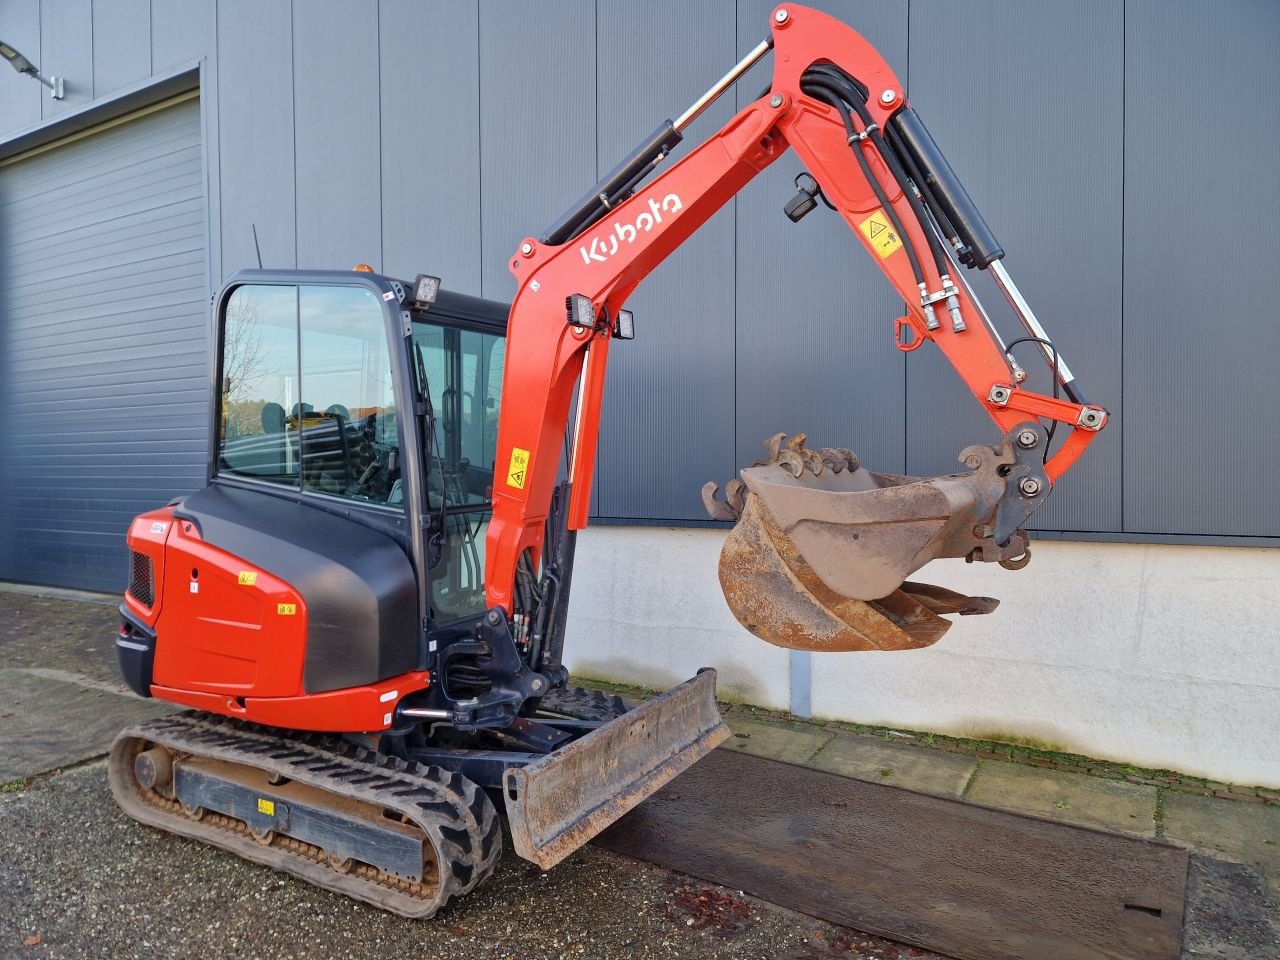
<point>526,248</point>
<point>536,684</point>
<point>775,101</point>
<point>888,97</point>
<point>973,462</point>
<point>493,617</point>
<point>1029,486</point>
<point>782,16</point>
<point>1027,439</point>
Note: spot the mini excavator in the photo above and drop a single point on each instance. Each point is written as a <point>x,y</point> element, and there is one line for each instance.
<point>364,608</point>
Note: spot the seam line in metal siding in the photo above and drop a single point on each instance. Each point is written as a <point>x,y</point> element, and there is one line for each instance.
<point>293,126</point>
<point>480,142</point>
<point>1124,163</point>
<point>40,48</point>
<point>598,478</point>
<point>100,128</point>
<point>212,162</point>
<point>382,219</point>
<point>737,252</point>
<point>906,358</point>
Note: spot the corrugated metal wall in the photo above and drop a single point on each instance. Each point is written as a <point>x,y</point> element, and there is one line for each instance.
<point>104,335</point>
<point>1121,151</point>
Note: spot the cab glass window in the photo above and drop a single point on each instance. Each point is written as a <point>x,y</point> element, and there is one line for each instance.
<point>345,414</point>
<point>462,370</point>
<point>259,384</point>
<point>307,394</point>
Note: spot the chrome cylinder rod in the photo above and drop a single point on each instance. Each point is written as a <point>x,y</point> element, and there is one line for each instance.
<point>1019,375</point>
<point>1028,319</point>
<point>723,84</point>
<point>424,713</point>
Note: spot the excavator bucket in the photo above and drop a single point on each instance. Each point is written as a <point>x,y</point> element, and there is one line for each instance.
<point>821,550</point>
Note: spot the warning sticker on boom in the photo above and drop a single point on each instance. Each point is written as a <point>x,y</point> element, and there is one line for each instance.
<point>884,238</point>
<point>519,468</point>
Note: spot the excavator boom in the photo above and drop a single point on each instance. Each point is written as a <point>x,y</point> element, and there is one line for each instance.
<point>821,545</point>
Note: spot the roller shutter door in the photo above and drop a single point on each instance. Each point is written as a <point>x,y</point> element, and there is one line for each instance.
<point>103,342</point>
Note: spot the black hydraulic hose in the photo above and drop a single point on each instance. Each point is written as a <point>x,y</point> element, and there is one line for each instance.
<point>851,91</point>
<point>824,93</point>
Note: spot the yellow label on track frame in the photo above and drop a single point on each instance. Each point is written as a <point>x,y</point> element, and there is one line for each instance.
<point>880,231</point>
<point>266,806</point>
<point>518,469</point>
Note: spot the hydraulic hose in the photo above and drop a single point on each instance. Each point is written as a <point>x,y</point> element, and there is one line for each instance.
<point>850,91</point>
<point>823,92</point>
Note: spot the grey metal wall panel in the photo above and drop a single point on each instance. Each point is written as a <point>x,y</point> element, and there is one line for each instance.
<point>537,123</point>
<point>121,43</point>
<point>443,133</point>
<point>104,342</point>
<point>337,130</point>
<point>1029,125</point>
<point>815,315</point>
<point>668,412</point>
<point>431,141</point>
<point>1201,254</point>
<point>256,136</point>
<point>20,97</point>
<point>66,50</point>
<point>184,30</point>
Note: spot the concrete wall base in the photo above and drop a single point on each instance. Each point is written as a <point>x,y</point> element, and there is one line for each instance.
<point>1158,655</point>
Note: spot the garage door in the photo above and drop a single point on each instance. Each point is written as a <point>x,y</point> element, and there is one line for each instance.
<point>103,342</point>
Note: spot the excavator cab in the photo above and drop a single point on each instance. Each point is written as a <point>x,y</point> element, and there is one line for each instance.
<point>330,578</point>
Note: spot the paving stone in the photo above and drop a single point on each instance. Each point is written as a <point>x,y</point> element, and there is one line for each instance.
<point>1068,797</point>
<point>898,765</point>
<point>48,722</point>
<point>1241,832</point>
<point>774,741</point>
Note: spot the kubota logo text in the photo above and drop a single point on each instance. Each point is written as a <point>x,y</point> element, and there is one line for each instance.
<point>602,248</point>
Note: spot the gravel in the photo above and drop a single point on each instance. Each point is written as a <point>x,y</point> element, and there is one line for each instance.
<point>90,883</point>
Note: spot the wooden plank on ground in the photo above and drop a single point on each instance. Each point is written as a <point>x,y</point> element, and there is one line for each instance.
<point>962,880</point>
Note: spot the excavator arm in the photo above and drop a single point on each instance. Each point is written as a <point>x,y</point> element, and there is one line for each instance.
<point>822,545</point>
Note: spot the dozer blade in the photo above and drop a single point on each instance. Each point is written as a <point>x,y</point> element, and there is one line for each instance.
<point>821,550</point>
<point>558,803</point>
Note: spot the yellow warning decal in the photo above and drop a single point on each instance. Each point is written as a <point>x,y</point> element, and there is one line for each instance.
<point>248,578</point>
<point>519,468</point>
<point>266,806</point>
<point>884,238</point>
<point>286,609</point>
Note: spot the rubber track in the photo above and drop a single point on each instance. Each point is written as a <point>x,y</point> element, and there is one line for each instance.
<point>456,816</point>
